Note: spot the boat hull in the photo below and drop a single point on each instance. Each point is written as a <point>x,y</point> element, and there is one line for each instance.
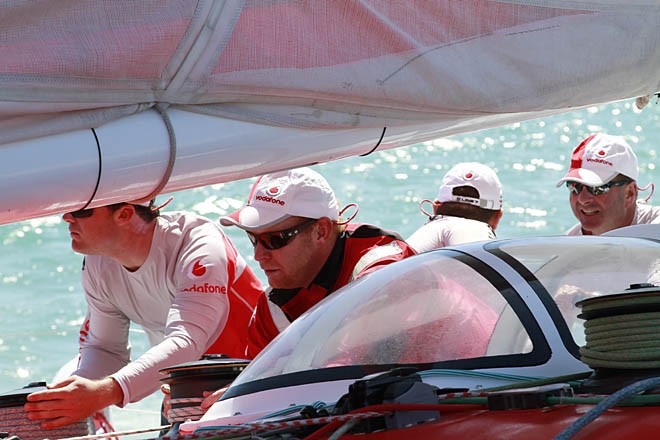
<point>544,423</point>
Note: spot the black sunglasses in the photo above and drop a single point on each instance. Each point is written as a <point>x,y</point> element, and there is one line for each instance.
<point>576,188</point>
<point>279,239</point>
<point>82,213</point>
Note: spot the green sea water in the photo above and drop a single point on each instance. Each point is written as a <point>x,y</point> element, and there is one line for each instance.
<point>42,303</point>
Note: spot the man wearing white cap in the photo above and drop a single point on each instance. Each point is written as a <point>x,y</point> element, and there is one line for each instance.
<point>176,275</point>
<point>293,220</point>
<point>468,208</point>
<point>602,181</point>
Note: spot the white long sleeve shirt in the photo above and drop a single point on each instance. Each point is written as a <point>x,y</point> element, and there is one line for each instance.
<point>192,289</point>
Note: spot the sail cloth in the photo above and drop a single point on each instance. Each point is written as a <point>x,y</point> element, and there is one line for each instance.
<point>423,69</point>
<point>319,64</point>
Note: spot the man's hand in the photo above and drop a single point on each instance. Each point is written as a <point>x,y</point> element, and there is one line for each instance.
<point>71,400</point>
<point>167,400</point>
<point>211,398</point>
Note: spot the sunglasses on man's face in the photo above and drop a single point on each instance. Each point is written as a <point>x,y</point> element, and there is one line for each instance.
<point>576,188</point>
<point>82,213</point>
<point>279,239</point>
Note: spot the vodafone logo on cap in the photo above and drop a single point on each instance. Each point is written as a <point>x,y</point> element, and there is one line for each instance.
<point>468,176</point>
<point>270,197</point>
<point>599,156</point>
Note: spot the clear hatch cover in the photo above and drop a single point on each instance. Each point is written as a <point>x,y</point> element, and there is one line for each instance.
<point>419,313</point>
<point>436,307</point>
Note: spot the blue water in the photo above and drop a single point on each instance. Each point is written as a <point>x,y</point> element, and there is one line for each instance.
<point>42,302</point>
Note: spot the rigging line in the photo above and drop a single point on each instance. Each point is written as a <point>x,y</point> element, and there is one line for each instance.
<point>605,404</point>
<point>118,433</point>
<point>382,135</point>
<point>161,108</point>
<point>344,429</point>
<point>98,175</point>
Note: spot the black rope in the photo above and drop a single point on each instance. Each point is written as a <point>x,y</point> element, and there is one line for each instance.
<point>98,175</point>
<point>162,110</point>
<point>382,135</point>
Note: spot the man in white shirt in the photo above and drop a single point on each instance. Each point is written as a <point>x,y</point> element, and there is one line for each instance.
<point>468,208</point>
<point>602,181</point>
<point>177,275</point>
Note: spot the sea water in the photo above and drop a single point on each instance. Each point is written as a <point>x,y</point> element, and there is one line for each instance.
<point>42,303</point>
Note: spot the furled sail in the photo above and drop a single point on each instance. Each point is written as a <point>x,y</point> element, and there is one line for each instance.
<point>247,87</point>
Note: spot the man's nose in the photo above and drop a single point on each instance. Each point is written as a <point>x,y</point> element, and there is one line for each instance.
<point>585,196</point>
<point>68,218</point>
<point>260,252</point>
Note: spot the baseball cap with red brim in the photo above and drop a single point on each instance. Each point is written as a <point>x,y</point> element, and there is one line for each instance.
<point>600,158</point>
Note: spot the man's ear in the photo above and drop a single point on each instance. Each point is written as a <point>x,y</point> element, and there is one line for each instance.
<point>124,213</point>
<point>495,219</point>
<point>631,194</point>
<point>324,228</point>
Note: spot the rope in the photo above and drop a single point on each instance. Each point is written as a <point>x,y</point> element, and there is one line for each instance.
<point>343,429</point>
<point>114,434</point>
<point>253,427</point>
<point>98,174</point>
<point>477,374</point>
<point>539,382</point>
<point>650,185</point>
<point>184,413</point>
<point>161,108</point>
<point>14,421</point>
<point>338,421</point>
<point>382,135</point>
<point>647,400</point>
<point>627,338</point>
<point>609,402</point>
<point>465,394</point>
<point>377,411</point>
<point>101,423</point>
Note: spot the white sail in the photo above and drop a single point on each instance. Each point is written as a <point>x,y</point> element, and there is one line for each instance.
<point>248,87</point>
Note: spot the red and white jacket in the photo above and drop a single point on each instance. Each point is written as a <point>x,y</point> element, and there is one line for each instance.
<point>359,250</point>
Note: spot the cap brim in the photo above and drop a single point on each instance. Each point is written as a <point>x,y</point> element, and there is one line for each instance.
<point>249,218</point>
<point>585,177</point>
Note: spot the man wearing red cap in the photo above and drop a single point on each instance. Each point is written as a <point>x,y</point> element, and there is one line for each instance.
<point>602,183</point>
<point>306,252</point>
<point>176,275</point>
<point>468,208</point>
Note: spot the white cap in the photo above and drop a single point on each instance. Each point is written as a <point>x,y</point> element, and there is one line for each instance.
<point>599,159</point>
<point>300,192</point>
<point>476,175</point>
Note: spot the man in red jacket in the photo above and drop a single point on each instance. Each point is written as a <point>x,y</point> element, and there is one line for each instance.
<point>293,220</point>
